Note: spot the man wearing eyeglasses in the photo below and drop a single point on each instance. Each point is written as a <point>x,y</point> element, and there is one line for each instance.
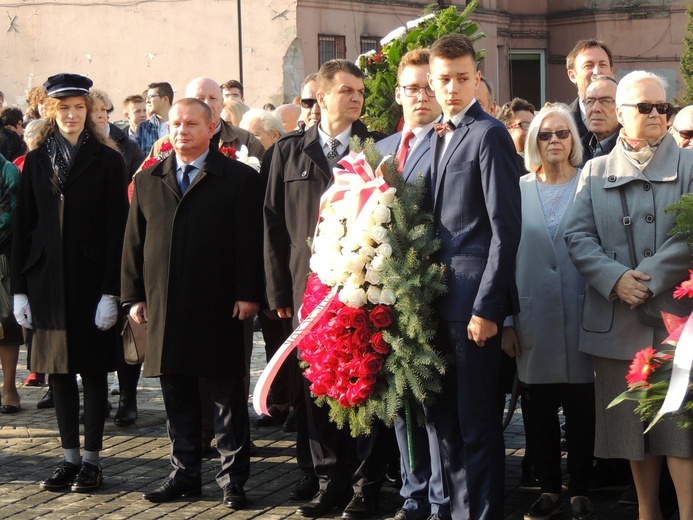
<point>682,129</point>
<point>603,126</point>
<point>422,488</point>
<point>159,100</point>
<point>517,115</point>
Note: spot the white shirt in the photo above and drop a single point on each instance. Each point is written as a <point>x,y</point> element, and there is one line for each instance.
<point>343,139</point>
<point>456,119</point>
<point>197,163</point>
<point>420,134</point>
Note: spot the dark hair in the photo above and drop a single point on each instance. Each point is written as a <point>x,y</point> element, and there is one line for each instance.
<point>507,111</point>
<point>489,86</point>
<point>188,102</point>
<point>331,68</point>
<point>583,45</point>
<point>269,106</point>
<point>452,46</point>
<point>234,83</point>
<point>135,98</point>
<point>11,116</point>
<point>164,89</point>
<point>412,58</point>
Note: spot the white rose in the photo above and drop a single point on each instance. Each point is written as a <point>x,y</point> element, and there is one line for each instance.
<point>355,279</point>
<point>353,296</point>
<point>378,263</point>
<point>367,253</point>
<point>372,277</point>
<point>353,263</point>
<point>384,250</point>
<point>363,237</point>
<point>341,276</point>
<point>378,233</point>
<point>373,294</point>
<point>381,214</point>
<point>387,296</point>
<point>328,277</point>
<point>388,196</point>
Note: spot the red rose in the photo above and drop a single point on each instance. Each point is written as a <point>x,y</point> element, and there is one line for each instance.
<point>359,318</point>
<point>228,151</point>
<point>381,316</point>
<point>379,344</point>
<point>371,364</point>
<point>359,392</point>
<point>361,338</point>
<point>344,317</point>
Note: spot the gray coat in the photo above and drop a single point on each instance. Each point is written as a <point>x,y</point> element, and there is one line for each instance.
<point>551,291</point>
<point>597,241</point>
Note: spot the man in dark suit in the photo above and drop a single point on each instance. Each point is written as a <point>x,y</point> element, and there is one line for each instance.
<point>600,102</point>
<point>476,203</point>
<point>300,171</point>
<point>588,58</point>
<point>422,487</point>
<point>192,269</point>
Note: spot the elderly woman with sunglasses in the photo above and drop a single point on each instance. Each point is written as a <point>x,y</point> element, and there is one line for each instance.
<point>545,335</point>
<point>642,175</point>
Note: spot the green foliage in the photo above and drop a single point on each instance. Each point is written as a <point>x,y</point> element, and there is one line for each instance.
<point>684,217</point>
<point>413,368</point>
<point>686,63</point>
<point>381,111</point>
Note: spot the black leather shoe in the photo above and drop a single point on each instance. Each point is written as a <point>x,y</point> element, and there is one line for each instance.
<point>275,418</point>
<point>234,496</point>
<point>323,502</point>
<point>401,514</point>
<point>61,478</point>
<point>306,487</point>
<point>172,489</point>
<point>88,479</point>
<point>360,506</point>
<point>127,409</point>
<point>47,400</point>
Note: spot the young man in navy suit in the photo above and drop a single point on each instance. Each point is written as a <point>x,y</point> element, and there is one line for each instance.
<point>422,488</point>
<point>476,202</point>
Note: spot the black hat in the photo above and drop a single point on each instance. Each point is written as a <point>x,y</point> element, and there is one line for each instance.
<point>66,85</point>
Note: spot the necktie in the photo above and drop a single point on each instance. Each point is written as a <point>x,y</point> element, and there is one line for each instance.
<point>443,128</point>
<point>185,178</point>
<point>404,150</point>
<point>332,154</point>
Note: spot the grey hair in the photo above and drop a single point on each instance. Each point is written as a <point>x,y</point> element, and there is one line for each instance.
<point>532,156</point>
<point>268,120</point>
<point>630,79</point>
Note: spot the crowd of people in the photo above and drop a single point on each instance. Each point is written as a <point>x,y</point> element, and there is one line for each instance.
<point>552,233</point>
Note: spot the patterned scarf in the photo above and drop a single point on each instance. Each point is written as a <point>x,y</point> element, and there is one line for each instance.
<point>63,154</point>
<point>638,151</point>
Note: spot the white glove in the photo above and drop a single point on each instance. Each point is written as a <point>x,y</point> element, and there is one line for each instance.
<point>22,311</point>
<point>106,312</point>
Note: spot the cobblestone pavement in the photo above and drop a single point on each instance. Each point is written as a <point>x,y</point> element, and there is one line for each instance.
<point>135,459</point>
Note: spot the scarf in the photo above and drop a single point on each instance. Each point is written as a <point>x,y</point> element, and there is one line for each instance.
<point>62,154</point>
<point>638,151</point>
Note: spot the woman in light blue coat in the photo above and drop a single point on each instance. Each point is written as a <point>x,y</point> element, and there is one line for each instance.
<point>544,335</point>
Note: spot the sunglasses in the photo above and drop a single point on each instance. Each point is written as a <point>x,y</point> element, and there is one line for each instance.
<point>546,136</point>
<point>663,109</point>
<point>308,103</point>
<point>686,134</point>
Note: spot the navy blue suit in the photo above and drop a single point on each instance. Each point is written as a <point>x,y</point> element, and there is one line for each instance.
<point>476,202</point>
<point>422,489</point>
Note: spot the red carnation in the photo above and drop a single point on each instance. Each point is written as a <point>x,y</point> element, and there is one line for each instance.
<point>686,288</point>
<point>381,316</point>
<point>150,162</point>
<point>228,151</point>
<point>166,147</point>
<point>379,344</point>
<point>644,363</point>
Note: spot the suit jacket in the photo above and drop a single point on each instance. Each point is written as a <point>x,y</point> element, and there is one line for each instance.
<point>476,204</point>
<point>577,117</point>
<point>191,258</point>
<point>299,175</point>
<point>66,249</point>
<point>418,162</point>
<point>598,244</point>
<point>551,292</point>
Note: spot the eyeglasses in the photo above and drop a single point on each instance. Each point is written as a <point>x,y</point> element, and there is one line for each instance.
<point>546,136</point>
<point>308,103</point>
<point>686,134</point>
<point>524,125</point>
<point>606,102</point>
<point>414,91</point>
<point>663,109</point>
<point>152,96</point>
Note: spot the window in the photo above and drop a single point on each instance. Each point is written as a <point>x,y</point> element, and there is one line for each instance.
<point>331,47</point>
<point>370,43</point>
<point>527,76</point>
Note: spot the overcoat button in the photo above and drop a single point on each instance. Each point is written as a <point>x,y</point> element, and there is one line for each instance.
<point>649,219</point>
<point>647,253</point>
<point>554,268</point>
<point>647,186</point>
<point>612,178</point>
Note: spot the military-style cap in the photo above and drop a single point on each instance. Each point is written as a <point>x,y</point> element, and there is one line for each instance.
<point>66,85</point>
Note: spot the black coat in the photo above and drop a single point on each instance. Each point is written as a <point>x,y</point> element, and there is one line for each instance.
<point>299,175</point>
<point>191,258</point>
<point>131,151</point>
<point>66,253</point>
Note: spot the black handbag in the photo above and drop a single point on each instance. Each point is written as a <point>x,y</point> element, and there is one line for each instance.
<point>650,312</point>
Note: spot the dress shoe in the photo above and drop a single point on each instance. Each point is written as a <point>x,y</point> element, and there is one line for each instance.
<point>10,408</point>
<point>323,502</point>
<point>401,514</point>
<point>172,489</point>
<point>234,496</point>
<point>89,478</point>
<point>61,478</point>
<point>544,508</point>
<point>582,509</point>
<point>306,487</point>
<point>47,400</point>
<point>275,418</point>
<point>127,409</point>
<point>360,506</point>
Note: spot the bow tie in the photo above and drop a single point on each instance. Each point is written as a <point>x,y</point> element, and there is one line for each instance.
<point>443,128</point>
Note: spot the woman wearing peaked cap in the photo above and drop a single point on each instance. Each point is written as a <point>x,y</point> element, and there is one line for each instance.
<point>65,269</point>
